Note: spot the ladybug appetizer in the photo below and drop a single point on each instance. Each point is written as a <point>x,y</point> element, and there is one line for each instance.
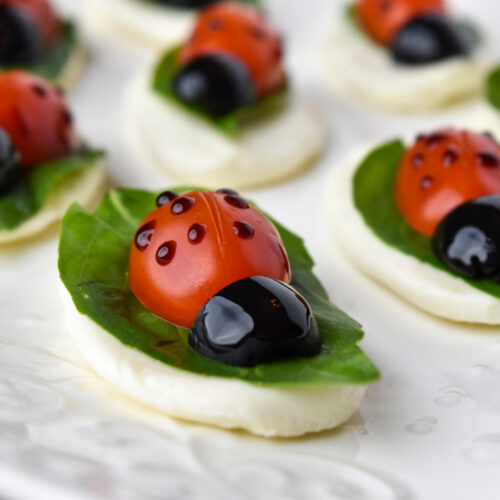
<point>33,38</point>
<point>406,55</point>
<point>219,110</point>
<point>220,321</point>
<point>43,165</point>
<point>430,221</point>
<point>155,24</point>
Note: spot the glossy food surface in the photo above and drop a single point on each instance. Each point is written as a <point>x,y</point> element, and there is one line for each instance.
<point>242,32</point>
<point>219,83</point>
<point>255,320</point>
<point>21,39</point>
<point>443,170</point>
<point>382,19</point>
<point>34,113</point>
<point>9,166</point>
<point>42,13</point>
<point>467,240</point>
<point>427,39</point>
<point>188,249</point>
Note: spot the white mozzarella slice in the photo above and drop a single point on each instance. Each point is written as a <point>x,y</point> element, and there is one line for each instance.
<point>193,151</point>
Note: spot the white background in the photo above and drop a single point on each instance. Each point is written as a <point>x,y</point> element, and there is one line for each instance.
<point>429,429</point>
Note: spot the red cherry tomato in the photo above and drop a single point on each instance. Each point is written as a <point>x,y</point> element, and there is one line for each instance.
<point>382,19</point>
<point>244,33</point>
<point>35,115</point>
<point>444,170</point>
<point>42,13</point>
<point>195,245</point>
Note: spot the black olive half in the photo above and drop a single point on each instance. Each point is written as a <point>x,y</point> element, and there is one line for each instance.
<point>10,169</point>
<point>255,320</point>
<point>467,240</point>
<point>187,4</point>
<point>427,39</point>
<point>20,37</point>
<point>218,83</point>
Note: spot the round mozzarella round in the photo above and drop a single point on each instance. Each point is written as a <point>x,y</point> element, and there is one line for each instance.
<point>223,402</point>
<point>148,24</point>
<point>421,284</point>
<point>357,66</point>
<point>86,188</point>
<point>193,151</point>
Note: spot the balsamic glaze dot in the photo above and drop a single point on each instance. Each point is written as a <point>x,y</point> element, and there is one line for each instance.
<point>278,249</point>
<point>236,201</point>
<point>227,191</point>
<point>450,156</point>
<point>67,117</point>
<point>279,50</point>
<point>22,121</point>
<point>39,90</point>
<point>215,24</point>
<point>60,91</point>
<point>144,234</point>
<point>421,137</point>
<point>243,229</point>
<point>385,5</point>
<point>196,233</point>
<point>258,32</point>
<point>417,160</point>
<point>489,135</point>
<point>434,139</point>
<point>487,159</point>
<point>165,198</point>
<point>426,182</point>
<point>182,205</point>
<point>166,253</point>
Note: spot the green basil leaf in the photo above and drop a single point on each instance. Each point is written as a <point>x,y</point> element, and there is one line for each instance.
<point>229,124</point>
<point>93,264</point>
<point>374,188</point>
<point>50,65</point>
<point>32,191</point>
<point>493,87</point>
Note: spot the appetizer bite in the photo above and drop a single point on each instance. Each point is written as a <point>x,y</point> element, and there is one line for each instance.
<point>155,24</point>
<point>44,167</point>
<point>219,110</point>
<point>34,39</point>
<point>405,55</point>
<point>424,221</point>
<point>199,305</point>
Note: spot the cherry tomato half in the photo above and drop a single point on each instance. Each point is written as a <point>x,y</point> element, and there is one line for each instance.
<point>382,19</point>
<point>443,170</point>
<point>244,33</point>
<point>42,13</point>
<point>194,245</point>
<point>34,114</point>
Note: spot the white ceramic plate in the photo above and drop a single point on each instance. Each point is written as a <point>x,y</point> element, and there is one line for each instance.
<point>429,429</point>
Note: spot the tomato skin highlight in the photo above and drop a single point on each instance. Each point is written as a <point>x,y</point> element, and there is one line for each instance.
<point>204,263</point>
<point>43,14</point>
<point>34,114</point>
<point>242,32</point>
<point>443,170</point>
<point>382,19</point>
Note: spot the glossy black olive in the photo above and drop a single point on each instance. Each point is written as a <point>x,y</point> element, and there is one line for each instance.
<point>20,37</point>
<point>427,39</point>
<point>467,240</point>
<point>187,4</point>
<point>10,170</point>
<point>218,83</point>
<point>255,320</point>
